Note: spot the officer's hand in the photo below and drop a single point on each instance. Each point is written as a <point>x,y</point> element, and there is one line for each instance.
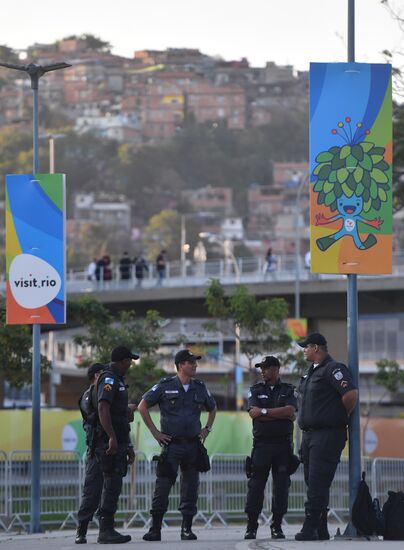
<point>204,434</point>
<point>131,455</point>
<point>131,412</point>
<point>112,446</point>
<point>162,439</point>
<point>254,412</point>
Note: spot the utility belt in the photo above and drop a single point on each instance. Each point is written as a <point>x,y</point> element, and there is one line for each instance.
<point>182,440</point>
<point>273,439</point>
<point>308,430</point>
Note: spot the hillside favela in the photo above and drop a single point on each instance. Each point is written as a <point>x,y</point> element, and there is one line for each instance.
<point>187,227</point>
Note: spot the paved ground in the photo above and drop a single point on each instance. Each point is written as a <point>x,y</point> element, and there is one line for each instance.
<point>216,538</point>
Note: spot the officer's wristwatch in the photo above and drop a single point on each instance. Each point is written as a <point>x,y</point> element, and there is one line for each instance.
<point>264,412</point>
<point>209,428</point>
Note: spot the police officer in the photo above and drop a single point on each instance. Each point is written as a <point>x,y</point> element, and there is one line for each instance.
<point>326,397</point>
<point>181,399</point>
<point>113,449</point>
<point>93,478</point>
<point>272,406</point>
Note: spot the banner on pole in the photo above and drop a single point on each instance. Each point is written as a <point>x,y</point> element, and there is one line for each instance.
<point>35,249</point>
<point>351,168</point>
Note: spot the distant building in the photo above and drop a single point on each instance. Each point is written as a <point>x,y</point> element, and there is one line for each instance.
<point>104,209</point>
<point>218,200</point>
<point>232,229</point>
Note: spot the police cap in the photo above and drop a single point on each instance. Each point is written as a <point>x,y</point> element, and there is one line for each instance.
<point>94,369</point>
<point>268,361</point>
<point>122,352</point>
<point>313,338</point>
<point>185,355</point>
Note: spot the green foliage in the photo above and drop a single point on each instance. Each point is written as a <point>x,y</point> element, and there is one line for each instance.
<point>262,321</point>
<point>389,374</point>
<point>352,169</point>
<point>104,333</point>
<point>15,353</point>
<point>8,55</point>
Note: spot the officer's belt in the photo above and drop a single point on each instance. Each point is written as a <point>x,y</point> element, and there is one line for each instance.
<point>181,440</point>
<point>274,439</point>
<point>307,430</point>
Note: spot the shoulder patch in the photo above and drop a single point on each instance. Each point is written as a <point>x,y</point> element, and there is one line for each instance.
<point>154,388</point>
<point>108,380</point>
<point>337,374</point>
<point>166,379</point>
<point>107,387</point>
<point>249,394</point>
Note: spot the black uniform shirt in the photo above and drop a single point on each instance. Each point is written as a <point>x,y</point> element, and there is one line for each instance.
<point>319,395</point>
<point>180,410</point>
<point>111,388</point>
<point>261,395</point>
<point>87,410</point>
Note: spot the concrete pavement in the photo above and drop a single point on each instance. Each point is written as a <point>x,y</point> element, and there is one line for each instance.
<point>216,538</point>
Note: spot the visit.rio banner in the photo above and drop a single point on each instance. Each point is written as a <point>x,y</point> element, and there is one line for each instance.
<point>35,248</point>
<point>350,168</point>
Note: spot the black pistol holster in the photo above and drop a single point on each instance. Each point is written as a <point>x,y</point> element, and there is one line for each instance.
<point>248,466</point>
<point>203,462</point>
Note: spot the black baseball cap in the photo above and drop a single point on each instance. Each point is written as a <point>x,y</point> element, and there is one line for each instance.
<point>185,355</point>
<point>268,361</point>
<point>122,352</point>
<point>93,369</point>
<point>313,338</point>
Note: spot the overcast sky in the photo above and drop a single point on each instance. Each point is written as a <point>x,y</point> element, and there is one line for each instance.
<point>285,31</point>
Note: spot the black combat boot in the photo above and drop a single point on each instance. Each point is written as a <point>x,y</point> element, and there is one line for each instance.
<point>81,533</point>
<point>322,530</point>
<point>252,527</point>
<point>108,535</point>
<point>276,527</point>
<point>154,533</point>
<point>310,526</point>
<point>186,528</point>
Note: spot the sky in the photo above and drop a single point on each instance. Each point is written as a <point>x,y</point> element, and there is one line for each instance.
<point>289,32</point>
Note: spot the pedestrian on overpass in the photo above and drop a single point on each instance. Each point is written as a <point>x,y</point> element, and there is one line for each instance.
<point>181,399</point>
<point>326,398</point>
<point>272,407</point>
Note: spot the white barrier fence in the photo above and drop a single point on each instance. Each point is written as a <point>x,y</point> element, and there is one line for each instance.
<point>222,490</point>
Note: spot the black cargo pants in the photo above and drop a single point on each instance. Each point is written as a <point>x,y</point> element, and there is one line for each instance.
<point>114,469</point>
<point>184,456</point>
<point>266,457</point>
<point>321,452</point>
<point>92,489</point>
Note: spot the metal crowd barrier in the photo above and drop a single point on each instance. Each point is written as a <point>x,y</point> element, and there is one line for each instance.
<point>222,490</point>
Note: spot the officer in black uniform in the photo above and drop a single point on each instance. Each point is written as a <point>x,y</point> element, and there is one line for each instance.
<point>93,478</point>
<point>272,406</point>
<point>113,449</point>
<point>181,399</point>
<point>326,397</point>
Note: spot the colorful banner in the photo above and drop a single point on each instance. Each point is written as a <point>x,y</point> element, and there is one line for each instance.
<point>296,328</point>
<point>231,433</point>
<point>351,168</point>
<point>35,248</point>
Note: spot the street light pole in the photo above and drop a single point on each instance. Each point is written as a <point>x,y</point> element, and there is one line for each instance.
<point>35,72</point>
<point>238,372</point>
<point>303,180</point>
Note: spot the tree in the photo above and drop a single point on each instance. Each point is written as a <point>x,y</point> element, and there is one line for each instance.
<point>15,354</point>
<point>389,375</point>
<point>103,333</point>
<point>261,321</point>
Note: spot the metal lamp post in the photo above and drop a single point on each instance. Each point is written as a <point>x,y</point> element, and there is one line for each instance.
<point>303,181</point>
<point>35,72</point>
